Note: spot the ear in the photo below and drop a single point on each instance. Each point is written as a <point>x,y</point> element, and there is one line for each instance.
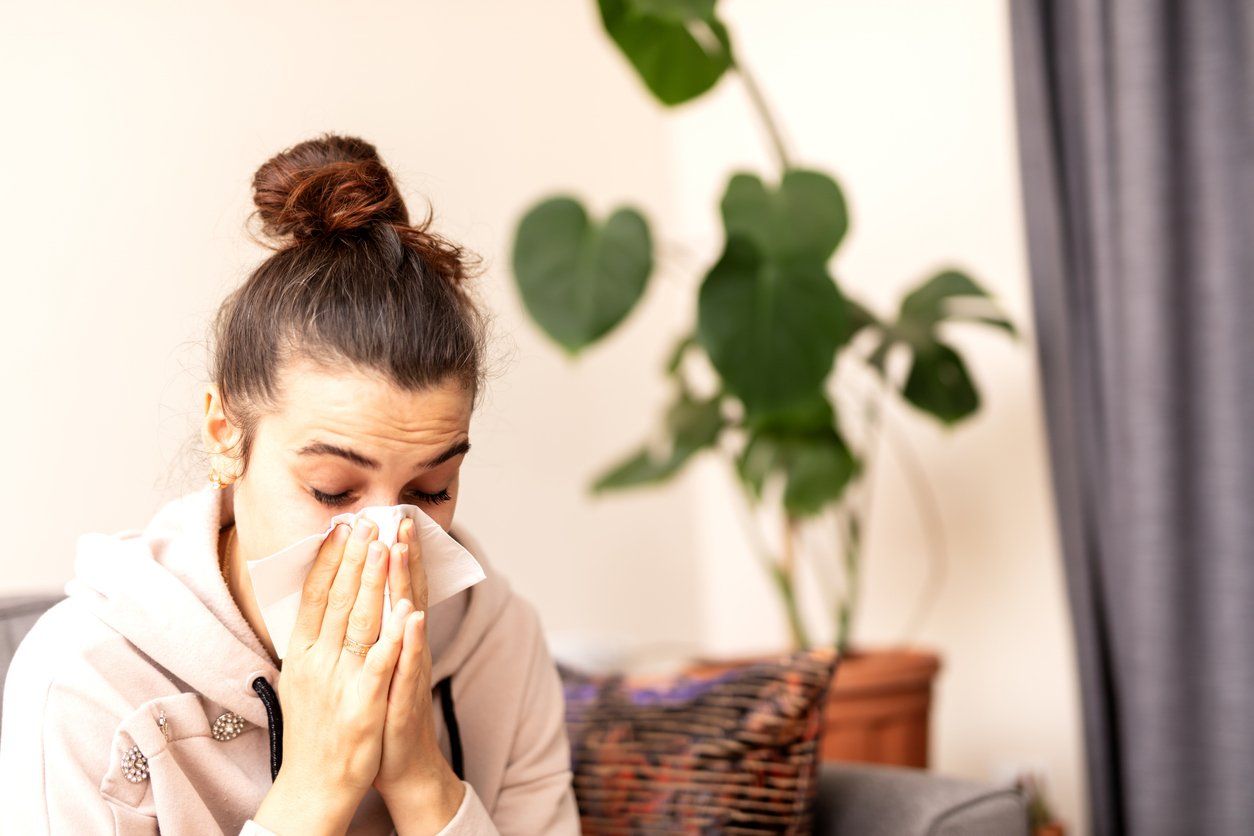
<point>217,432</point>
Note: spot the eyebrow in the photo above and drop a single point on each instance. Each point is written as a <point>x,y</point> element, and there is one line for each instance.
<point>322,448</point>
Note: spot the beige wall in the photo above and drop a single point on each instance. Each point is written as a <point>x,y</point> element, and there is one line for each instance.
<point>133,130</point>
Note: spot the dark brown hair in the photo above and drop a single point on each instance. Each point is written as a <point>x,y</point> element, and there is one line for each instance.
<point>350,283</point>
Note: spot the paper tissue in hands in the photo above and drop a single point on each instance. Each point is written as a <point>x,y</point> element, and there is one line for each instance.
<point>279,578</point>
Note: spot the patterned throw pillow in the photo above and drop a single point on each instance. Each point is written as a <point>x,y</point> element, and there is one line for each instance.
<point>735,751</point>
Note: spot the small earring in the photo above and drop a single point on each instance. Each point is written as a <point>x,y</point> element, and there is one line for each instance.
<point>216,480</point>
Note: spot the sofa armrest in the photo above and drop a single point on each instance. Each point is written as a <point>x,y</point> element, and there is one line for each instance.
<point>18,613</point>
<point>872,800</point>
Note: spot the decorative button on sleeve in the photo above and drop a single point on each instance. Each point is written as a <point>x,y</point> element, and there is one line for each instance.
<point>228,726</point>
<point>134,765</point>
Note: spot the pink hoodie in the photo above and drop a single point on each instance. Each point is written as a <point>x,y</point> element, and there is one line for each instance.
<point>149,649</point>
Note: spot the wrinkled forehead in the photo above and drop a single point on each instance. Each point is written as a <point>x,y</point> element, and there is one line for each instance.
<point>347,405</point>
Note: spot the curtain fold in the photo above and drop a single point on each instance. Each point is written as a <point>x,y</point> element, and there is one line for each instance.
<point>1134,120</point>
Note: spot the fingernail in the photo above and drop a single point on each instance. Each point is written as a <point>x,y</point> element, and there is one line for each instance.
<point>374,552</point>
<point>361,529</point>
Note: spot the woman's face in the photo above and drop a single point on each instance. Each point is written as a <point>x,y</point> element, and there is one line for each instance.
<point>342,441</point>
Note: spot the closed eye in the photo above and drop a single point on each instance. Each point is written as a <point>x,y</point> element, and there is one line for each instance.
<point>338,499</point>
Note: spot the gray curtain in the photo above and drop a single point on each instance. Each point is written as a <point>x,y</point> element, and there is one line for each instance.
<point>1135,139</point>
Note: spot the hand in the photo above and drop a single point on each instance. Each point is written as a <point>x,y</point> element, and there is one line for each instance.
<point>414,777</point>
<point>334,701</point>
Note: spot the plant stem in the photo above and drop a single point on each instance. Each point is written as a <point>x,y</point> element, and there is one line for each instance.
<point>877,422</point>
<point>764,113</point>
<point>787,581</point>
<point>929,506</point>
<point>830,588</point>
<point>756,542</point>
<point>856,510</point>
<point>853,562</point>
<point>783,581</point>
<point>786,559</point>
<point>787,591</point>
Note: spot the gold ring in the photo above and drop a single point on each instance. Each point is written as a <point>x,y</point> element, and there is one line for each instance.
<point>354,646</point>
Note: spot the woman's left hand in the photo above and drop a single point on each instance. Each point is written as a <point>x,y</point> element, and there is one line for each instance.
<point>414,777</point>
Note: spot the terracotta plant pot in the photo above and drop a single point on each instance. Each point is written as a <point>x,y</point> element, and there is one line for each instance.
<point>878,708</point>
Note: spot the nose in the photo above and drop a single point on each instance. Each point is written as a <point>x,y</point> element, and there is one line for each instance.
<point>381,497</point>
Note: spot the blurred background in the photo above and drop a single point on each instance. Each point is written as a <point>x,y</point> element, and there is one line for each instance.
<point>134,129</point>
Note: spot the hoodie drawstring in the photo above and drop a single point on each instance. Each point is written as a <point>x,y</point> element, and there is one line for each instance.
<point>274,719</point>
<point>445,687</point>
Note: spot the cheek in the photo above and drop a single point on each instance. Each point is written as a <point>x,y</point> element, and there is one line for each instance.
<point>443,513</point>
<point>275,512</point>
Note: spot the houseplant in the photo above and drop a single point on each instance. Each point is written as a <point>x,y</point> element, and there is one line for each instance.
<point>772,323</point>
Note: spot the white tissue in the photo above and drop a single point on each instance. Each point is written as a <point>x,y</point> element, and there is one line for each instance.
<point>279,578</point>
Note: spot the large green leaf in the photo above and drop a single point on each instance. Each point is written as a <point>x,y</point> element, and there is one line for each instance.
<point>805,217</point>
<point>985,319</point>
<point>926,300</point>
<point>942,297</point>
<point>819,470</point>
<point>939,383</point>
<point>679,48</point>
<point>771,328</point>
<point>814,414</point>
<point>678,11</point>
<point>817,466</point>
<point>691,424</point>
<point>642,467</point>
<point>694,424</point>
<point>579,279</point>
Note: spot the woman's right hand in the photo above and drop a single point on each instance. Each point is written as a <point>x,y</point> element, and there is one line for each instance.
<point>333,700</point>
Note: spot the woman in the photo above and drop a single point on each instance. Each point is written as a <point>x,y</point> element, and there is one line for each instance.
<point>344,374</point>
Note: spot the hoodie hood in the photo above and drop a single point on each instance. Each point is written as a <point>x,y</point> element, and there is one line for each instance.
<point>160,588</point>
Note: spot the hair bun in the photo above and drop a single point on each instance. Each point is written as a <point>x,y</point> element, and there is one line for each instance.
<point>325,186</point>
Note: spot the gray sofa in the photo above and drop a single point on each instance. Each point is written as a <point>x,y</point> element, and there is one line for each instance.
<point>854,799</point>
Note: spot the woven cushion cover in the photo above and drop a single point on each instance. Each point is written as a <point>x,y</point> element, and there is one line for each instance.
<point>735,751</point>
